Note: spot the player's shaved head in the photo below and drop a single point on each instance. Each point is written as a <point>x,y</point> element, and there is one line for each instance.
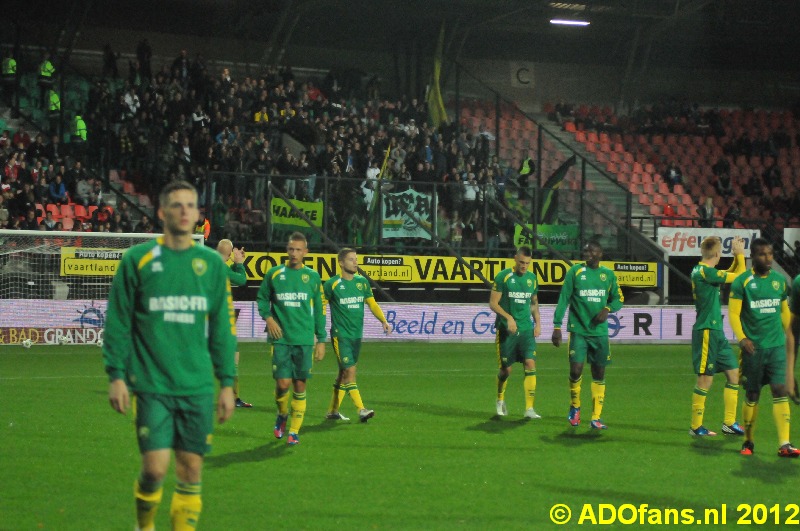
<point>710,246</point>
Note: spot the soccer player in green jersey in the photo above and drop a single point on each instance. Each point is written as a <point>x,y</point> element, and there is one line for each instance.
<point>347,293</point>
<point>711,352</point>
<point>238,277</point>
<point>290,301</point>
<point>169,330</point>
<point>591,292</point>
<point>761,320</point>
<point>514,299</point>
<point>791,360</point>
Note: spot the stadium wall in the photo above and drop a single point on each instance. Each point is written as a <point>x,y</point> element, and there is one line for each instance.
<point>542,82</point>
<point>46,321</point>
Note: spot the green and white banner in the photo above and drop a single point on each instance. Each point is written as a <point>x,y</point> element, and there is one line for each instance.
<point>398,224</point>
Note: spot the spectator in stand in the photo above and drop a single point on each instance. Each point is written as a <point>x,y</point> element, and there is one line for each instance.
<point>722,166</point>
<point>144,226</point>
<point>724,185</point>
<point>707,212</point>
<point>526,172</point>
<point>30,222</point>
<point>733,215</point>
<point>83,192</point>
<point>21,137</point>
<point>58,192</point>
<point>110,62</point>
<point>673,175</point>
<point>117,224</point>
<point>753,187</point>
<point>54,152</point>
<point>145,54</point>
<point>772,177</point>
<point>48,221</point>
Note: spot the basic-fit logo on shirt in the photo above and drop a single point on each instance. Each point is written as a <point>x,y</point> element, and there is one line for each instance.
<point>178,308</point>
<point>200,266</point>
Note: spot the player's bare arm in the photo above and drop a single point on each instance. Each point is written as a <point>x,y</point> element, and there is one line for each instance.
<point>494,304</point>
<point>225,404</point>
<point>319,351</point>
<point>273,328</point>
<point>119,396</point>
<point>556,337</point>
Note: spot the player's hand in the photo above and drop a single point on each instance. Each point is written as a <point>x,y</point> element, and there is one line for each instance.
<point>737,247</point>
<point>225,404</point>
<point>274,329</point>
<point>387,328</point>
<point>747,346</point>
<point>118,396</point>
<point>537,330</point>
<point>556,338</point>
<point>601,317</point>
<point>512,325</point>
<point>319,351</point>
<point>238,255</point>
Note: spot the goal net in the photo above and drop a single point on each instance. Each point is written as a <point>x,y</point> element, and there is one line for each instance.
<point>57,283</point>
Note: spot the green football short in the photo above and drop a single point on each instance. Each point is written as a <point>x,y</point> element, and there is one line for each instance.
<point>347,351</point>
<point>512,348</point>
<point>764,366</point>
<point>177,422</point>
<point>712,353</point>
<point>292,361</point>
<point>593,349</point>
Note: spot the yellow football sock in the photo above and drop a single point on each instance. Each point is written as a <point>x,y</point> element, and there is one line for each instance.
<point>529,384</point>
<point>501,388</point>
<point>731,398</point>
<point>598,397</point>
<point>336,398</point>
<point>355,395</point>
<point>298,412</point>
<point>148,498</point>
<point>282,401</point>
<point>780,410</point>
<point>699,406</point>
<point>575,392</point>
<point>186,506</point>
<point>749,415</point>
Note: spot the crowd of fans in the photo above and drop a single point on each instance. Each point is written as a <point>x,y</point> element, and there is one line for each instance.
<point>183,121</point>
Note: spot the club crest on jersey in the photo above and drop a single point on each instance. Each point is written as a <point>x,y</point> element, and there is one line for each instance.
<point>530,283</point>
<point>305,278</point>
<point>360,286</point>
<point>200,266</point>
<point>603,277</point>
<point>776,285</point>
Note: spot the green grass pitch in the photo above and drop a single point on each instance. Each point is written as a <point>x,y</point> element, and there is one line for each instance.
<point>434,457</point>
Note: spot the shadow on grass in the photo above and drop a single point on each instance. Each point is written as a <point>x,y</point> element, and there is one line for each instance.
<point>767,467</point>
<point>432,409</point>
<point>496,424</point>
<point>710,445</point>
<point>270,450</point>
<point>572,437</point>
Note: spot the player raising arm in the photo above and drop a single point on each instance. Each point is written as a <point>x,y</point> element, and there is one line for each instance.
<point>761,320</point>
<point>591,292</point>
<point>347,293</point>
<point>238,277</point>
<point>711,351</point>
